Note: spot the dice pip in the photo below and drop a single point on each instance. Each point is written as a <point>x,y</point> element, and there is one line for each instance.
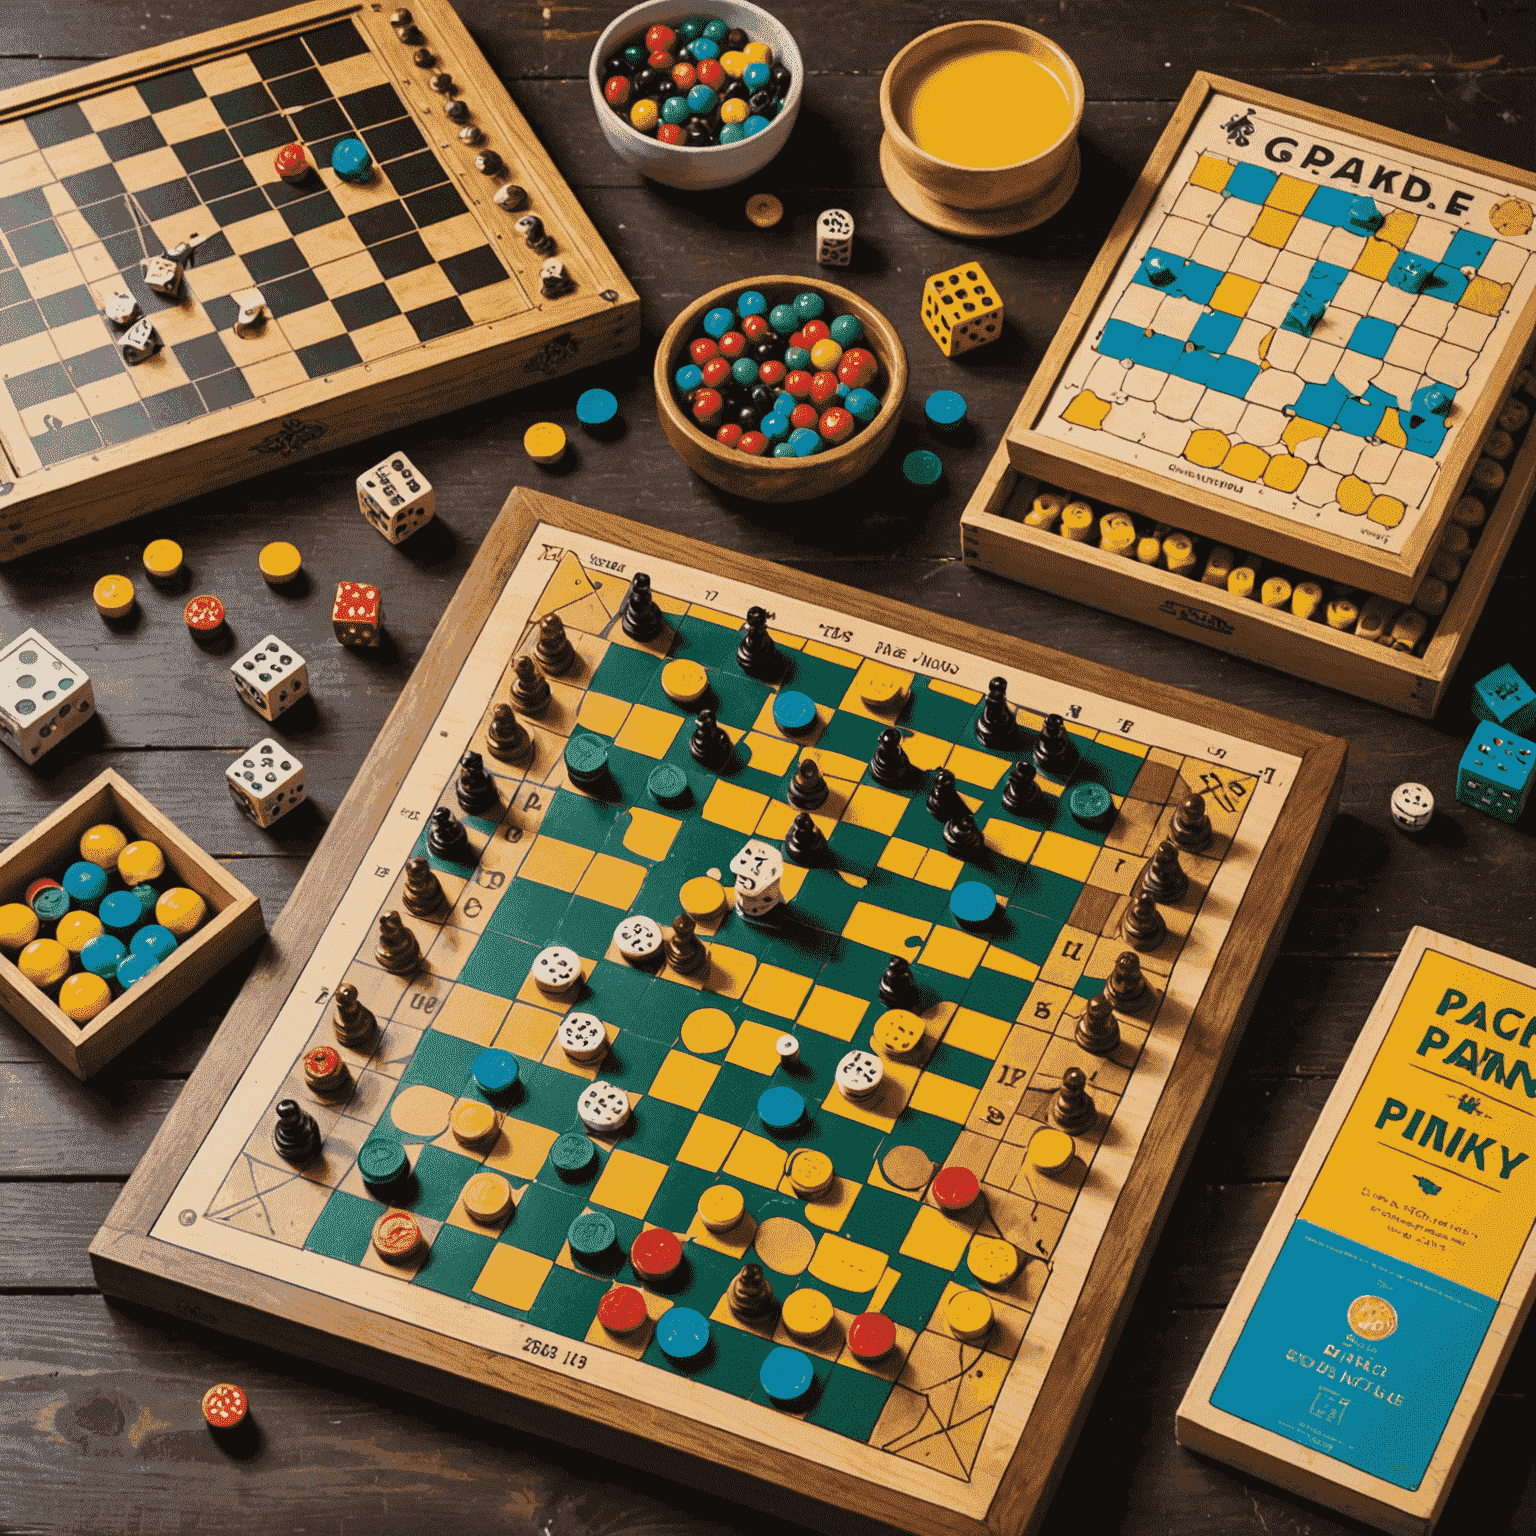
<point>265,782</point>
<point>43,696</point>
<point>271,677</point>
<point>395,497</point>
<point>961,309</point>
<point>357,615</point>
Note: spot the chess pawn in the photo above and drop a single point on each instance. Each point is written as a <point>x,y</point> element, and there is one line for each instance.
<point>531,228</point>
<point>1072,1109</point>
<point>807,789</point>
<point>898,986</point>
<point>489,163</point>
<point>890,765</point>
<point>1191,827</point>
<point>996,725</point>
<point>684,951</point>
<point>447,839</point>
<point>1126,987</point>
<point>511,197</point>
<point>472,135</point>
<point>1165,877</point>
<point>806,842</point>
<point>476,789</point>
<point>507,738</point>
<point>1053,753</point>
<point>750,1296</point>
<point>353,1022</point>
<point>1098,1031</point>
<point>296,1136</point>
<point>1143,924</point>
<point>554,651</point>
<point>962,837</point>
<point>423,893</point>
<point>250,318</point>
<point>757,654</point>
<point>638,614</point>
<point>709,744</point>
<point>944,802</point>
<point>1021,795</point>
<point>555,281</point>
<point>530,693</point>
<point>397,950</point>
<point>455,111</point>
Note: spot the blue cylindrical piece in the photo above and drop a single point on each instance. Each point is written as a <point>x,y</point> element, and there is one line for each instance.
<point>101,955</point>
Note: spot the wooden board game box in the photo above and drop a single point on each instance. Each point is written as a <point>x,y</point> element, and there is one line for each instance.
<point>952,1429</point>
<point>1295,340</point>
<point>388,300</point>
<point>1372,1323</point>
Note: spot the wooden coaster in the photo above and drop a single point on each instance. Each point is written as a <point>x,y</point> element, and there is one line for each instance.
<point>976,223</point>
<point>907,1167</point>
<point>784,1245</point>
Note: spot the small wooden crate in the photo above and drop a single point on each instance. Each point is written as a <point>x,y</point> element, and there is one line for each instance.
<point>234,923</point>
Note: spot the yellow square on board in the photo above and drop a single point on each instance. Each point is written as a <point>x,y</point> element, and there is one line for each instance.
<point>972,767</point>
<point>978,1033</point>
<point>730,805</point>
<point>834,1013</point>
<point>554,863</point>
<point>940,870</point>
<point>1210,172</point>
<point>527,1031</point>
<point>943,1097</point>
<point>1065,856</point>
<point>935,1238</point>
<point>602,714</point>
<point>956,953</point>
<point>847,1265</point>
<point>1290,194</point>
<point>925,752</point>
<point>873,675</point>
<point>1001,961</point>
<point>756,1046</point>
<point>776,991</point>
<point>707,1142</point>
<point>648,732</point>
<point>775,822</point>
<point>901,857</point>
<point>650,834</point>
<point>1273,227</point>
<point>1234,294</point>
<point>836,765</point>
<point>1010,839</point>
<point>611,881</point>
<point>886,931</point>
<point>729,971</point>
<point>830,1210</point>
<point>471,1015</point>
<point>683,1080</point>
<point>757,1160</point>
<point>628,1183</point>
<point>831,653</point>
<point>770,754</point>
<point>521,1149</point>
<point>512,1276</point>
<point>875,808</point>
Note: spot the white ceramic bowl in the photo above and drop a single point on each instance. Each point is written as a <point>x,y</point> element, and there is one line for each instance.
<point>717,165</point>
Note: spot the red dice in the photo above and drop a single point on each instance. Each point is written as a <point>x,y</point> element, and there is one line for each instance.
<point>357,615</point>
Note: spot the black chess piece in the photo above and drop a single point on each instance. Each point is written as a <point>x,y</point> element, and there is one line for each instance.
<point>1021,795</point>
<point>962,837</point>
<point>944,802</point>
<point>447,839</point>
<point>1053,752</point>
<point>898,986</point>
<point>296,1136</point>
<point>890,765</point>
<point>757,655</point>
<point>1072,1109</point>
<point>1143,924</point>
<point>709,744</point>
<point>1098,1031</point>
<point>554,651</point>
<point>996,725</point>
<point>507,737</point>
<point>641,618</point>
<point>476,789</point>
<point>1165,877</point>
<point>750,1296</point>
<point>530,691</point>
<point>1191,828</point>
<point>1127,987</point>
<point>456,111</point>
<point>807,789</point>
<point>806,842</point>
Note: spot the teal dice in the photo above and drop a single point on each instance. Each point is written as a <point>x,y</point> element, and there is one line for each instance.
<point>1496,772</point>
<point>1505,698</point>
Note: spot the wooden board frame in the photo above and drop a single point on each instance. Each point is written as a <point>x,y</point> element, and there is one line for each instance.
<point>128,1262</point>
<point>234,923</point>
<point>601,318</point>
<point>1313,1474</point>
<point>1184,504</point>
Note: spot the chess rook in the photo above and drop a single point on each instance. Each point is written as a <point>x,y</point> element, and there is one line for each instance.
<point>396,950</point>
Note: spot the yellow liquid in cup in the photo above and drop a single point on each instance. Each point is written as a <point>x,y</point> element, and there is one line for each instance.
<point>995,106</point>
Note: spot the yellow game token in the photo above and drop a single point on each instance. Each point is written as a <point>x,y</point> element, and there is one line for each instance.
<point>114,596</point>
<point>882,694</point>
<point>487,1198</point>
<point>684,682</point>
<point>702,897</point>
<point>764,210</point>
<point>897,1033</point>
<point>969,1315</point>
<point>544,442</point>
<point>139,862</point>
<point>721,1207</point>
<point>992,1260</point>
<point>76,930</point>
<point>162,559</point>
<point>1077,521</point>
<point>757,53</point>
<point>280,562</point>
<point>19,925</point>
<point>1050,1150</point>
<point>810,1173</point>
<point>180,910</point>
<point>100,845</point>
<point>707,1030</point>
<point>83,996</point>
<point>806,1315</point>
<point>474,1123</point>
<point>44,962</point>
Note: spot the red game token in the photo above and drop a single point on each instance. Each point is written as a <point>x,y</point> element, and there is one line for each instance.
<point>291,163</point>
<point>396,1237</point>
<point>729,435</point>
<point>616,90</point>
<point>955,1188</point>
<point>732,344</point>
<point>716,371</point>
<point>754,444</point>
<point>660,59</point>
<point>656,1253</point>
<point>814,331</point>
<point>711,74</point>
<point>707,406</point>
<point>685,75</point>
<point>871,1337</point>
<point>797,383</point>
<point>837,425</point>
<point>670,133</point>
<point>660,36</point>
<point>823,387</point>
<point>771,372</point>
<point>204,613</point>
<point>803,415</point>
<point>753,327</point>
<point>622,1309</point>
<point>225,1405</point>
<point>858,368</point>
<point>702,348</point>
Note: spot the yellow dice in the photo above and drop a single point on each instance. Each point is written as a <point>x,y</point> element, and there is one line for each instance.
<point>962,309</point>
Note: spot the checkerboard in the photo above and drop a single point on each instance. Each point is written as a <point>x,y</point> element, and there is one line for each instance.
<point>556,864</point>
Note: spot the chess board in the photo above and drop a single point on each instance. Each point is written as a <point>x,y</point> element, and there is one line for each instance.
<point>216,1226</point>
<point>1191,393</point>
<point>388,300</point>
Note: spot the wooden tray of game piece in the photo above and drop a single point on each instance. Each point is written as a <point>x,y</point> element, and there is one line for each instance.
<point>503,1323</point>
<point>1194,404</point>
<point>388,301</point>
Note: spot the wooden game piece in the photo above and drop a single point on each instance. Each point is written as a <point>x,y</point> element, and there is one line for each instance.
<point>474,1125</point>
<point>357,614</point>
<point>554,652</point>
<point>423,892</point>
<point>83,996</point>
<point>992,1261</point>
<point>1050,1150</point>
<point>510,197</point>
<point>163,275</point>
<point>113,596</point>
<point>555,281</point>
<point>1143,926</point>
<point>292,164</point>
<point>19,925</point>
<point>120,308</point>
<point>251,316</point>
<point>1343,613</point>
<point>871,1337</point>
<point>271,677</point>
<point>530,692</point>
<point>296,1134</point>
<point>883,695</point>
<point>1276,592</point>
<point>1408,630</point>
<point>702,898</point>
<point>622,1311</point>
<point>890,764</point>
<point>472,134</point>
<point>475,789</point>
<point>750,1297</point>
<point>638,940</point>
<point>682,1335</point>
<point>506,738</point>
<point>224,1406</point>
<point>1164,877</point>
<point>955,1188</point>
<point>582,1037</point>
<point>656,1255</point>
<point>806,1315</point>
<point>810,1172</point>
<point>709,745</point>
<point>383,1165</point>
<point>1045,510</point>
<point>1098,1031</point>
<point>1077,521</point>
<point>808,789</point>
<point>603,1109</point>
<point>544,442</point>
<point>757,655</point>
<point>396,950</point>
<point>44,962</point>
<point>907,1167</point>
<point>685,952</point>
<point>721,1207</point>
<point>325,1072</point>
<point>969,1316</point>
<point>1117,534</point>
<point>1053,753</point>
<point>162,560</point>
<point>1127,988</point>
<point>140,341</point>
<point>441,82</point>
<point>781,1110</point>
<point>859,1075</point>
<point>531,228</point>
<point>265,782</point>
<point>944,800</point>
<point>805,843</point>
<point>556,970</point>
<point>397,1237</point>
<point>764,210</point>
<point>898,986</point>
<point>684,682</point>
<point>787,1048</point>
<point>1306,599</point>
<point>351,161</point>
<point>180,910</point>
<point>586,762</point>
<point>639,615</point>
<point>204,615</point>
<point>353,1021</point>
<point>898,1033</point>
<point>1072,1109</point>
<point>279,562</point>
<point>1091,805</point>
<point>1022,796</point>
<point>495,1072</point>
<point>447,838</point>
<point>834,238</point>
<point>487,1198</point>
<point>962,836</point>
<point>1191,827</point>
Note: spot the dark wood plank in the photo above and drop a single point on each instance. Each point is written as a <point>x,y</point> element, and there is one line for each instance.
<point>49,1226</point>
<point>52,1126</point>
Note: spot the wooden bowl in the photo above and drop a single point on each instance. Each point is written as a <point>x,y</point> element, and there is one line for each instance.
<point>975,200</point>
<point>768,479</point>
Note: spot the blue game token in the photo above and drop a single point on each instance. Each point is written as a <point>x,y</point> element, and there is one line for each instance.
<point>702,100</point>
<point>751,301</point>
<point>120,913</point>
<point>921,468</point>
<point>101,955</point>
<point>774,427</point>
<point>382,1161</point>
<point>134,968</point>
<point>945,410</point>
<point>1091,804</point>
<point>688,378</point>
<point>804,441</point>
<point>793,712</point>
<point>753,126</point>
<point>667,784</point>
<point>597,407</point>
<point>786,1375</point>
<point>681,1333</point>
<point>573,1155</point>
<point>351,161</point>
<point>705,48</point>
<point>718,321</point>
<point>972,901</point>
<point>85,884</point>
<point>154,941</point>
<point>755,75</point>
<point>780,1109</point>
<point>864,404</point>
<point>494,1072</point>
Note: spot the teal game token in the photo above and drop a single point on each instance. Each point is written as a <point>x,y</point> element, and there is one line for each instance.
<point>120,913</point>
<point>1091,804</point>
<point>102,955</point>
<point>573,1155</point>
<point>780,1110</point>
<point>147,896</point>
<point>154,941</point>
<point>793,712</point>
<point>921,468</point>
<point>592,1237</point>
<point>682,1334</point>
<point>972,902</point>
<point>134,969</point>
<point>85,884</point>
<point>49,900</point>
<point>586,760</point>
<point>667,784</point>
<point>786,1375</point>
<point>945,410</point>
<point>351,161</point>
<point>596,408</point>
<point>494,1072</point>
<point>382,1162</point>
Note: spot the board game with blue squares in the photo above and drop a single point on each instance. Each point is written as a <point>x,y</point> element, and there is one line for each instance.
<point>879,1278</point>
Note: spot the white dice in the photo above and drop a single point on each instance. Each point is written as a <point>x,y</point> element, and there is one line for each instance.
<point>121,308</point>
<point>266,782</point>
<point>163,275</point>
<point>1413,806</point>
<point>43,696</point>
<point>140,341</point>
<point>270,677</point>
<point>834,238</point>
<point>758,869</point>
<point>395,497</point>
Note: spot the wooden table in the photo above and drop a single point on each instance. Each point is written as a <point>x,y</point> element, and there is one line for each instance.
<point>99,1422</point>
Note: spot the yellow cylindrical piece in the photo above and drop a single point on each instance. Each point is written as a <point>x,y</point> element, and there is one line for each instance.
<point>83,996</point>
<point>1218,566</point>
<point>544,441</point>
<point>684,682</point>
<point>1275,593</point>
<point>487,1198</point>
<point>721,1207</point>
<point>1045,511</point>
<point>1050,1150</point>
<point>703,898</point>
<point>1240,582</point>
<point>180,910</point>
<point>1342,613</point>
<point>806,1315</point>
<point>1179,552</point>
<point>969,1315</point>
<point>992,1260</point>
<point>474,1123</point>
<point>1306,599</point>
<point>19,925</point>
<point>1149,550</point>
<point>897,1034</point>
<point>114,596</point>
<point>1077,521</point>
<point>1117,534</point>
<point>76,929</point>
<point>44,962</point>
<point>280,562</point>
<point>139,862</point>
<point>162,559</point>
<point>810,1173</point>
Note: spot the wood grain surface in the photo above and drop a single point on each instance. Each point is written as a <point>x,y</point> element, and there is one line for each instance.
<point>99,1422</point>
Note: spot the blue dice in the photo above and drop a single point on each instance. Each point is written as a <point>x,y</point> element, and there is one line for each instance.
<point>1496,771</point>
<point>1505,698</point>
